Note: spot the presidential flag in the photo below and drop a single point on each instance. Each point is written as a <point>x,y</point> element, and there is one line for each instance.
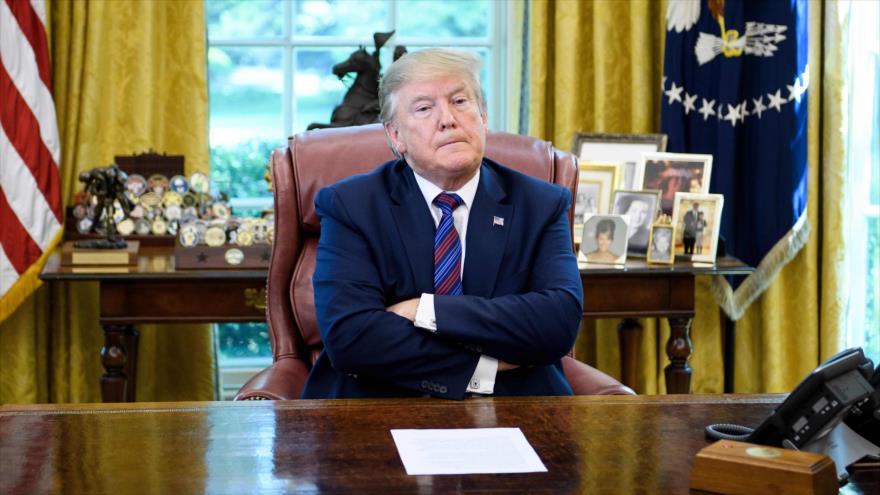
<point>735,86</point>
<point>30,190</point>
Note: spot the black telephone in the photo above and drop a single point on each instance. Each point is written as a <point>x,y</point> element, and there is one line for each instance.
<point>841,385</point>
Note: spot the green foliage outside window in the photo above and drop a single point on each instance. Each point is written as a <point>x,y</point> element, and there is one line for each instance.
<point>238,169</point>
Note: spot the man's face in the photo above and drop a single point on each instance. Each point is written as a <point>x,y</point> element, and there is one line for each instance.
<point>439,129</point>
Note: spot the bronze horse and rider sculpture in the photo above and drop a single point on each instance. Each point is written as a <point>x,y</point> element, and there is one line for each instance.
<point>361,102</point>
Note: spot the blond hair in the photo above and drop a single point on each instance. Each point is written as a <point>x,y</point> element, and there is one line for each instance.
<point>428,64</point>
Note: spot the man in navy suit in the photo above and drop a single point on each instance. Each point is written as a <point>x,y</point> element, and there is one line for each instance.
<point>442,273</point>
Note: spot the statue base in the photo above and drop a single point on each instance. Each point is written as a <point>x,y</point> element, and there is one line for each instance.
<point>111,243</point>
<point>73,254</point>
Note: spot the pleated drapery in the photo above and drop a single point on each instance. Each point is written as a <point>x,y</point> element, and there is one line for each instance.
<point>129,76</point>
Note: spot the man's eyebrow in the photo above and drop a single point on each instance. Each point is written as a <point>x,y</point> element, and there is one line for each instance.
<point>420,98</point>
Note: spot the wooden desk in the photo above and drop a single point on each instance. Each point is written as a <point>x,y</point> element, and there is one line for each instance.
<point>588,444</point>
<point>155,292</point>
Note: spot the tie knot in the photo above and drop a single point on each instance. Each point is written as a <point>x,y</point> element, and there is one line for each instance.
<point>447,202</point>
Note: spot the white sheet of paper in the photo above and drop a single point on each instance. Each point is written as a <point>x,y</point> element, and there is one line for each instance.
<point>466,451</point>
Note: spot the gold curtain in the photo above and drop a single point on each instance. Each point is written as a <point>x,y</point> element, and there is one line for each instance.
<point>129,76</point>
<point>597,67</point>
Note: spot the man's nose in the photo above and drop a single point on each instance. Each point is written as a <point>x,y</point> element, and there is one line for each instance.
<point>446,118</point>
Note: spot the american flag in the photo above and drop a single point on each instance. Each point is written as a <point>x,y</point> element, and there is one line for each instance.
<point>30,187</point>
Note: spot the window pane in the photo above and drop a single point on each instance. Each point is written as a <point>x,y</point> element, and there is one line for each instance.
<point>246,121</point>
<point>443,18</point>
<point>316,90</point>
<point>349,18</point>
<point>250,19</point>
<point>243,340</point>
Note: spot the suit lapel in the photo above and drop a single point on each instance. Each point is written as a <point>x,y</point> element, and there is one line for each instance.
<point>488,225</point>
<point>415,226</point>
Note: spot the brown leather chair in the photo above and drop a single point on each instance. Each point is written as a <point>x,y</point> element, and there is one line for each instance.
<point>318,158</point>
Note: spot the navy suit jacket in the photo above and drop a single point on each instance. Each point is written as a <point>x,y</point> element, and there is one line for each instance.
<point>522,300</point>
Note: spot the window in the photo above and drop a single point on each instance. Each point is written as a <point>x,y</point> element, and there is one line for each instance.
<point>269,76</point>
<point>862,201</point>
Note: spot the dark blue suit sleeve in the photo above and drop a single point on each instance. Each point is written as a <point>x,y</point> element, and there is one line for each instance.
<point>360,336</point>
<point>535,327</point>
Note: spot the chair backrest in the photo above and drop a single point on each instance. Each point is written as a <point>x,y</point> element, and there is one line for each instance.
<point>316,159</point>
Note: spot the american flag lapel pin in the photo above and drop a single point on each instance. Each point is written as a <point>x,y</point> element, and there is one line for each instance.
<point>497,222</point>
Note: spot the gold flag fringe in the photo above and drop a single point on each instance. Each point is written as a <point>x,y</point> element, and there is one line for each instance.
<point>735,303</point>
<point>28,282</point>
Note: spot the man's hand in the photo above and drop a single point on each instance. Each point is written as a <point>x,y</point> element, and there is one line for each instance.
<point>406,309</point>
<point>502,366</point>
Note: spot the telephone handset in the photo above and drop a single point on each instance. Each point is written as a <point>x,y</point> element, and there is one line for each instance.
<point>818,404</point>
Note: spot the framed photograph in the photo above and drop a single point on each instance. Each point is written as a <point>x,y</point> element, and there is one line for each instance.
<point>660,246</point>
<point>697,221</point>
<point>672,173</point>
<point>596,181</point>
<point>625,149</point>
<point>604,240</point>
<point>639,210</point>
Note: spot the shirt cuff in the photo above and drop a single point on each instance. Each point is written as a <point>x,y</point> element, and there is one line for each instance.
<point>483,381</point>
<point>425,316</point>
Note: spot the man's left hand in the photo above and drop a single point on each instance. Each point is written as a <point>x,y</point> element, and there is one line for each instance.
<point>406,309</point>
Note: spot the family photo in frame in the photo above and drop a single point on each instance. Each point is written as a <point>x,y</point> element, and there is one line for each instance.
<point>604,240</point>
<point>624,149</point>
<point>638,209</point>
<point>672,173</point>
<point>697,221</point>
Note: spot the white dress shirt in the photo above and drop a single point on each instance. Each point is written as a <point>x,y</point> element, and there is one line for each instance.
<point>483,380</point>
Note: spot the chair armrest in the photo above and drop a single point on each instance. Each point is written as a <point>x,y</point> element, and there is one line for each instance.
<point>284,380</point>
<point>586,380</point>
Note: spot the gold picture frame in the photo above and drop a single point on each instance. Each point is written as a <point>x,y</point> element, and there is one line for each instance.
<point>660,247</point>
<point>596,183</point>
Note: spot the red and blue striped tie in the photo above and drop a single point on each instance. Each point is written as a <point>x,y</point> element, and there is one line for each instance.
<point>447,248</point>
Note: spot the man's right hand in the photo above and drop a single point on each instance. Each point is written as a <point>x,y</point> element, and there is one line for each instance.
<point>502,366</point>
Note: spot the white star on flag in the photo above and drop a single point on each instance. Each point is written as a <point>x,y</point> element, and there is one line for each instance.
<point>776,100</point>
<point>689,102</point>
<point>674,93</point>
<point>707,109</point>
<point>733,114</point>
<point>743,111</point>
<point>795,90</point>
<point>759,105</point>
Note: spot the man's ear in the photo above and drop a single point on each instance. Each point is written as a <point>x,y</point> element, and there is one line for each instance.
<point>393,135</point>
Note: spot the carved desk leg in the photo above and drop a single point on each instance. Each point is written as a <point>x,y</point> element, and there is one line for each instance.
<point>119,357</point>
<point>629,338</point>
<point>678,348</point>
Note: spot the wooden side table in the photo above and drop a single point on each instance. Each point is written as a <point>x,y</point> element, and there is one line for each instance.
<point>639,290</point>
